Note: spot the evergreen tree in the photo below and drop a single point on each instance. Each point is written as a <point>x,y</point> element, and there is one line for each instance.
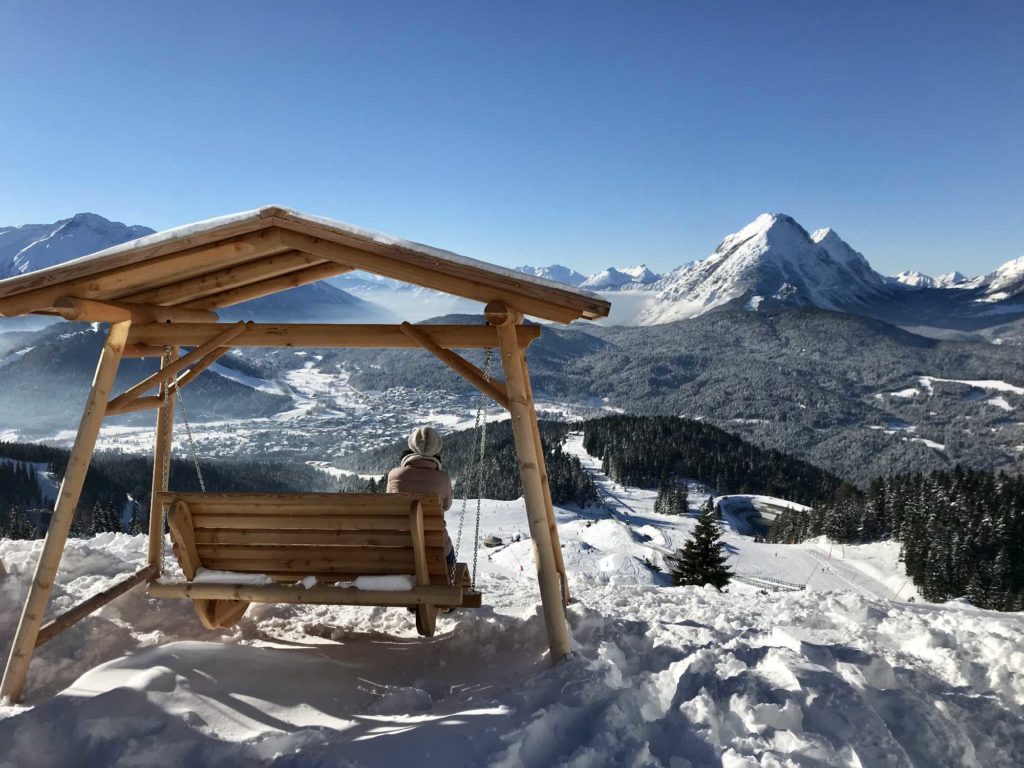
<point>702,560</point>
<point>19,526</point>
<point>135,521</point>
<point>662,503</point>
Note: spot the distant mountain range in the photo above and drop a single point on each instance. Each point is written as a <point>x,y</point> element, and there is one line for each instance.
<point>774,261</point>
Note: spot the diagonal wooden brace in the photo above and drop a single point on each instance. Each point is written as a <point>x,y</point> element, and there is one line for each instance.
<point>459,364</point>
<point>192,358</point>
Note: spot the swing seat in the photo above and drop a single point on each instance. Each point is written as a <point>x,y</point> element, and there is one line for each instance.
<point>331,536</point>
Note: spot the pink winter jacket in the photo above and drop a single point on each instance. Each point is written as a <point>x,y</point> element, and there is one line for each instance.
<point>422,475</point>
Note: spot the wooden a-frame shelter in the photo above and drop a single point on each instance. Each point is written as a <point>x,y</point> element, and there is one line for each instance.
<point>161,292</point>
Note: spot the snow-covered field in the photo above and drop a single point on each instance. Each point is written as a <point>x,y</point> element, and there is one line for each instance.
<point>843,672</point>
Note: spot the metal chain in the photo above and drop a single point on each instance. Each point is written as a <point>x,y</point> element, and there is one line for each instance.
<point>188,432</point>
<point>480,466</point>
<point>165,470</point>
<point>479,424</point>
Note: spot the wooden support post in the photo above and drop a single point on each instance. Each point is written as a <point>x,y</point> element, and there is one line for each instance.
<point>459,364</point>
<point>524,419</point>
<point>71,617</point>
<point>556,542</point>
<point>63,513</point>
<point>161,470</point>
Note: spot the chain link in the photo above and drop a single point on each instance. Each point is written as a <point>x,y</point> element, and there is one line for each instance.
<point>480,465</point>
<point>165,470</point>
<point>188,432</point>
<point>480,424</point>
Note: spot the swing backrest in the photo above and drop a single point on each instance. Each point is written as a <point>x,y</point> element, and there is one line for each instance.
<point>333,536</point>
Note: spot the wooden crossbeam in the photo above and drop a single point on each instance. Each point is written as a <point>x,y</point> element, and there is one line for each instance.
<point>312,336</point>
<point>222,338</point>
<point>459,364</point>
<point>273,285</point>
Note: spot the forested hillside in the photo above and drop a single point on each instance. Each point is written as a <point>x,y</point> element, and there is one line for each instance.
<point>569,483</point>
<point>647,451</point>
<point>962,531</point>
<point>115,480</point>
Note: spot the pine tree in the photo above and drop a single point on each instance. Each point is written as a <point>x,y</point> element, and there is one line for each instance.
<point>19,526</point>
<point>702,559</point>
<point>661,504</point>
<point>135,521</point>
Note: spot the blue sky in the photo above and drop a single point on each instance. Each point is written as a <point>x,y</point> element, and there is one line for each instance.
<point>586,133</point>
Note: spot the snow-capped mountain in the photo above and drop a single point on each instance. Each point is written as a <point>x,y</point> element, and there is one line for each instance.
<point>913,279</point>
<point>555,272</point>
<point>610,279</point>
<point>951,280</point>
<point>773,257</point>
<point>1004,283</point>
<point>621,278</point>
<point>35,246</point>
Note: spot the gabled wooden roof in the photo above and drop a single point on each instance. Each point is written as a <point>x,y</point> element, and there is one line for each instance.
<point>231,259</point>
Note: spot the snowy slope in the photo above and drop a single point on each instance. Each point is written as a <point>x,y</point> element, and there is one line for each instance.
<point>661,676</point>
<point>35,246</point>
<point>1003,283</point>
<point>772,257</point>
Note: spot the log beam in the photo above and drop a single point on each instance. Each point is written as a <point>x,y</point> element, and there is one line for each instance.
<point>524,421</point>
<point>313,336</point>
<point>74,615</point>
<point>63,513</point>
<point>459,364</point>
<point>93,311</point>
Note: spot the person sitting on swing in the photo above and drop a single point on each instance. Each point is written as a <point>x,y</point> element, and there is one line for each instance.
<point>421,471</point>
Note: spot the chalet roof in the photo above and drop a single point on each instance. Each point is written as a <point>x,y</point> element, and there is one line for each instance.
<point>230,259</point>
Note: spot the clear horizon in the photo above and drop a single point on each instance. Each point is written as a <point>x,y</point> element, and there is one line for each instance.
<point>583,134</point>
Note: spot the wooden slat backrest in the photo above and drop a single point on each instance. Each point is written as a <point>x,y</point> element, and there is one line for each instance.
<point>329,535</point>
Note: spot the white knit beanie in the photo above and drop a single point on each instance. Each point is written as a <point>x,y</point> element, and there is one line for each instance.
<point>425,441</point>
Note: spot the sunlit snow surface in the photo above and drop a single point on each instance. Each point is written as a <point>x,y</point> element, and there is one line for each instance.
<point>842,673</point>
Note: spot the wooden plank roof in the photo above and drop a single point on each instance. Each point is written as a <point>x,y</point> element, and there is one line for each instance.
<point>231,259</point>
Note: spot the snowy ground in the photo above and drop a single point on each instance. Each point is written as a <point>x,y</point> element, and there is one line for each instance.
<point>839,673</point>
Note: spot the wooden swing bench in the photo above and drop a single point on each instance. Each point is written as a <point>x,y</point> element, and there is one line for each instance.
<point>331,536</point>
